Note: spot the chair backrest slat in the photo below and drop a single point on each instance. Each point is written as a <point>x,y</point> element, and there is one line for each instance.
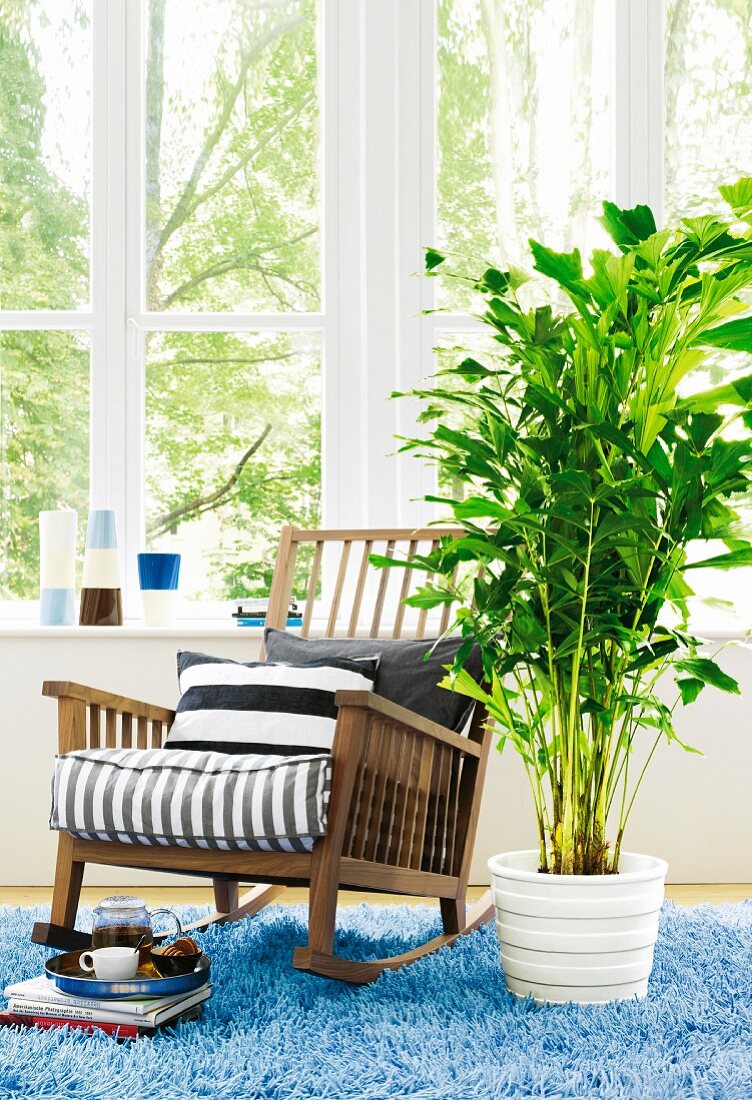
<point>361,601</point>
<point>381,594</point>
<point>94,726</point>
<point>337,596</point>
<point>422,617</point>
<point>110,726</point>
<point>352,626</point>
<point>313,581</point>
<point>404,591</point>
<point>142,732</point>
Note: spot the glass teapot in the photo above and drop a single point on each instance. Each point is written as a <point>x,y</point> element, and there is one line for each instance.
<point>123,920</point>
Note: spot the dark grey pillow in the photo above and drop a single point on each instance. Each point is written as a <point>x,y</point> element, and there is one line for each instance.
<point>403,675</point>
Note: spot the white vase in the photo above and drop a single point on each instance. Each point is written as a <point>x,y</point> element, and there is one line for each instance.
<point>57,567</point>
<point>101,598</point>
<point>583,938</point>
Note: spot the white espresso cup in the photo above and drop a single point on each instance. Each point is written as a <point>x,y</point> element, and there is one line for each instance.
<point>110,964</point>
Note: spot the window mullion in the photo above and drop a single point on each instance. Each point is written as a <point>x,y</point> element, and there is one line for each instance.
<point>382,257</point>
<point>99,492</point>
<point>381,189</point>
<point>226,322</point>
<point>416,175</point>
<point>48,320</point>
<point>427,322</point>
<point>333,318</point>
<point>344,411</point>
<point>638,104</point>
<point>133,333</point>
<point>108,389</point>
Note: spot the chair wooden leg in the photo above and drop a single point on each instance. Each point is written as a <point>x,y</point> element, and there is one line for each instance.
<point>246,906</point>
<point>225,895</point>
<point>326,965</point>
<point>327,851</point>
<point>69,874</point>
<point>322,910</point>
<point>453,915</point>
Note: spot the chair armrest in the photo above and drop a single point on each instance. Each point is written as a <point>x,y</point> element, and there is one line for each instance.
<point>79,718</point>
<point>401,716</point>
<point>403,787</point>
<point>121,704</point>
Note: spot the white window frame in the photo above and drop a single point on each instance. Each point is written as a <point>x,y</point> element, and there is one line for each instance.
<point>378,89</point>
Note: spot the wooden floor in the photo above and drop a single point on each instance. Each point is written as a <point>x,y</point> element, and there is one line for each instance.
<point>691,894</point>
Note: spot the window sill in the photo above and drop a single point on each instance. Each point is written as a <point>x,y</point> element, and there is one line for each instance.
<point>132,629</point>
<point>219,628</point>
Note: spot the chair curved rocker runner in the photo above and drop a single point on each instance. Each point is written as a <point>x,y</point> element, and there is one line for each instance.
<point>405,793</point>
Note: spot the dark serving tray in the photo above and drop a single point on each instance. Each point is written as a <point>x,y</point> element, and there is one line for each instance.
<point>64,970</point>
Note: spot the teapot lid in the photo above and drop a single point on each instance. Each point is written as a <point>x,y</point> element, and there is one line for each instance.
<point>122,901</point>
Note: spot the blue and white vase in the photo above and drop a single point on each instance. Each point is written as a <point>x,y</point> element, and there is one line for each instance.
<point>101,597</point>
<point>158,576</point>
<point>57,568</point>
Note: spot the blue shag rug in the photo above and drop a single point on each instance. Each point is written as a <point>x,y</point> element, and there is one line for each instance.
<point>443,1028</point>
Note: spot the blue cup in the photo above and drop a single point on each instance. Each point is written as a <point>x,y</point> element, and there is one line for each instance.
<point>158,572</point>
<point>158,576</point>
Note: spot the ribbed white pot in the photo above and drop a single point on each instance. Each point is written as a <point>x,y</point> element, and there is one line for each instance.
<point>585,938</point>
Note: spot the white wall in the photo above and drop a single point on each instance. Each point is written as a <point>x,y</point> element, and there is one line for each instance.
<point>694,811</point>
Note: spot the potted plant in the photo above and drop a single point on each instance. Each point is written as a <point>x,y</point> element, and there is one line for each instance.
<point>590,471</point>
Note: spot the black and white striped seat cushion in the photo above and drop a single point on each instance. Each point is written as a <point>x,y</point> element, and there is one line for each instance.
<point>284,709</point>
<point>192,799</point>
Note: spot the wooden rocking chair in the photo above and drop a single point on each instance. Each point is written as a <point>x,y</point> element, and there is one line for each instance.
<point>405,793</point>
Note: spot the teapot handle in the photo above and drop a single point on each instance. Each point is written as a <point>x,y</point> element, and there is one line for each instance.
<point>175,917</point>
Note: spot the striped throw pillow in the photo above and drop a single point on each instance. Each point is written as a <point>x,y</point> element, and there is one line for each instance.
<point>279,709</point>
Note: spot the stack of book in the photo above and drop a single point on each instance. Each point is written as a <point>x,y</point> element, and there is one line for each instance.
<point>38,1003</point>
<point>254,614</point>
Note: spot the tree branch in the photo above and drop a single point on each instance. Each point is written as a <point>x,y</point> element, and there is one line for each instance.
<point>244,161</point>
<point>213,505</point>
<point>181,209</point>
<point>192,360</point>
<point>239,261</point>
<point>275,293</point>
<point>212,500</point>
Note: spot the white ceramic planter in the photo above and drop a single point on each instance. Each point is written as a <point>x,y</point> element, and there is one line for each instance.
<point>585,938</point>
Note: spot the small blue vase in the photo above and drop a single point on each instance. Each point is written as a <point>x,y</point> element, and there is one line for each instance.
<point>158,576</point>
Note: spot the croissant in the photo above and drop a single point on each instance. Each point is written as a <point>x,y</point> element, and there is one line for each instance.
<point>184,946</point>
